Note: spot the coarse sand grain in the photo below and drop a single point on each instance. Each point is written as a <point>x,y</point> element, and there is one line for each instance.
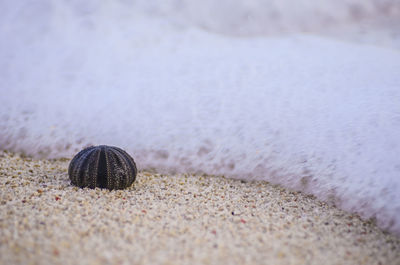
<point>174,219</point>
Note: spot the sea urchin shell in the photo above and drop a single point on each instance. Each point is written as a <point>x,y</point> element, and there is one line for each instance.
<point>102,166</point>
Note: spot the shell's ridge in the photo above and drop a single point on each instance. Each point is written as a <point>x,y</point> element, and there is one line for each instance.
<point>109,168</point>
<point>102,174</point>
<point>91,169</point>
<point>82,169</point>
<point>129,160</point>
<point>121,166</point>
<point>74,164</point>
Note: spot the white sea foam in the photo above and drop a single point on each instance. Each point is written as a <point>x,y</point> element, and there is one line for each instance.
<point>312,114</point>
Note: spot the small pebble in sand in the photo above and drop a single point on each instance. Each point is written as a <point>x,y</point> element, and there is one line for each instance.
<point>102,166</point>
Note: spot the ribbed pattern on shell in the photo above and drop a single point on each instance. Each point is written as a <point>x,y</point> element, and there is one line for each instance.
<point>102,166</point>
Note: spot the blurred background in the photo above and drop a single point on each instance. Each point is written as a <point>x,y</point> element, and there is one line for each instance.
<point>369,21</point>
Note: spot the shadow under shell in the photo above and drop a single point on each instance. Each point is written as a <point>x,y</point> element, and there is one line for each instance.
<point>103,167</point>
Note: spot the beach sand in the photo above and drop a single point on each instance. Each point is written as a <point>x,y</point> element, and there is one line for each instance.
<point>174,219</point>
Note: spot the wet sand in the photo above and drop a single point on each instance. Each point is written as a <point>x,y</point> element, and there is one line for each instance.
<point>174,219</point>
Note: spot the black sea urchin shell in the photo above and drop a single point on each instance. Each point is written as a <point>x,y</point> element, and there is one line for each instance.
<point>102,166</point>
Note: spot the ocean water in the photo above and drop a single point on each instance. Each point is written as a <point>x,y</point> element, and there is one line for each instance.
<point>245,89</point>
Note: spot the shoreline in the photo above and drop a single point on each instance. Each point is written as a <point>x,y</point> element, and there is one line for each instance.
<point>174,219</point>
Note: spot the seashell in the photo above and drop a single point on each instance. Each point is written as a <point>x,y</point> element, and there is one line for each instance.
<point>102,166</point>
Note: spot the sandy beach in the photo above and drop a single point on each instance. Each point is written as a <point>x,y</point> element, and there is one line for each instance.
<point>174,219</point>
